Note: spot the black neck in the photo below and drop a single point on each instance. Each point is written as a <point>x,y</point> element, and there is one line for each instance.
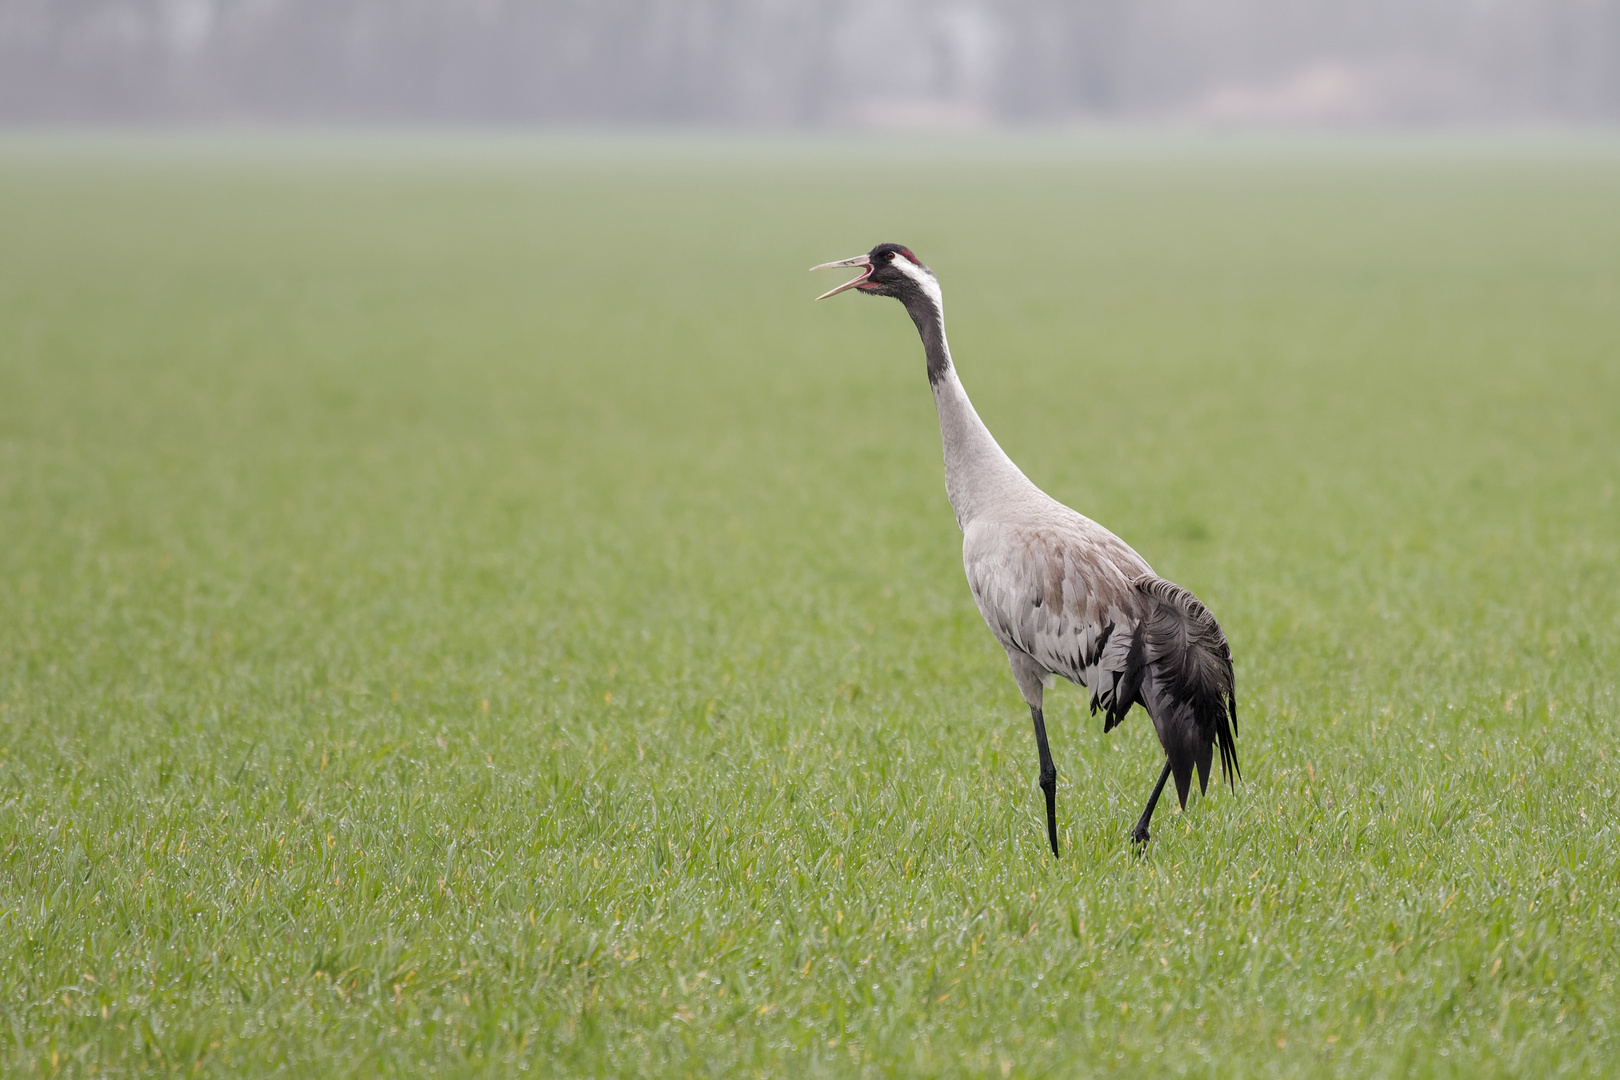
<point>931,326</point>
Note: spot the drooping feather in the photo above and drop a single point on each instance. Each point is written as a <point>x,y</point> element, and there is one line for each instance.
<point>1185,682</point>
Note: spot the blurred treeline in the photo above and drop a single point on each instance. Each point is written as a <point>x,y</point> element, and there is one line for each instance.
<point>810,62</point>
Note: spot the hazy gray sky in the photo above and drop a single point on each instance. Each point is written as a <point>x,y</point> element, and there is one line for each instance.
<point>839,63</point>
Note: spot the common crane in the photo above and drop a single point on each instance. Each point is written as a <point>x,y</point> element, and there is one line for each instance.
<point>1063,595</point>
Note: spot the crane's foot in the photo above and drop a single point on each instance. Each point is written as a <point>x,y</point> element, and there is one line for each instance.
<point>1049,787</point>
<point>1140,834</point>
<point>1048,777</point>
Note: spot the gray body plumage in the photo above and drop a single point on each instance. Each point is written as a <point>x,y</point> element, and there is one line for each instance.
<point>1064,596</point>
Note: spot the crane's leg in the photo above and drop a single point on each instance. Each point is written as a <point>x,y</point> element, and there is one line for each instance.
<point>1140,833</point>
<point>1049,778</point>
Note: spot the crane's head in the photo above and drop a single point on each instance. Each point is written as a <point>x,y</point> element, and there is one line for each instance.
<point>888,270</point>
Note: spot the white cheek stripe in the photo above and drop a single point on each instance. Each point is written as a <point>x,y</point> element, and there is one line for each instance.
<point>923,278</point>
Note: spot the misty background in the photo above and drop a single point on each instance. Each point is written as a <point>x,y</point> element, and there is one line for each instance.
<point>810,63</point>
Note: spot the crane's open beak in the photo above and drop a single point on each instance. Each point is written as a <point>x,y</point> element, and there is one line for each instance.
<point>863,261</point>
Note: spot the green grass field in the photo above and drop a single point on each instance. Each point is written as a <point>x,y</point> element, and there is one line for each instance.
<point>464,609</point>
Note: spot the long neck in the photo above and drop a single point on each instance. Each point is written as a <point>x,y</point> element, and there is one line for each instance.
<point>978,473</point>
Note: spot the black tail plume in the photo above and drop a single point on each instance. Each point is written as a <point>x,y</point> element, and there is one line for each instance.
<point>1181,672</point>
